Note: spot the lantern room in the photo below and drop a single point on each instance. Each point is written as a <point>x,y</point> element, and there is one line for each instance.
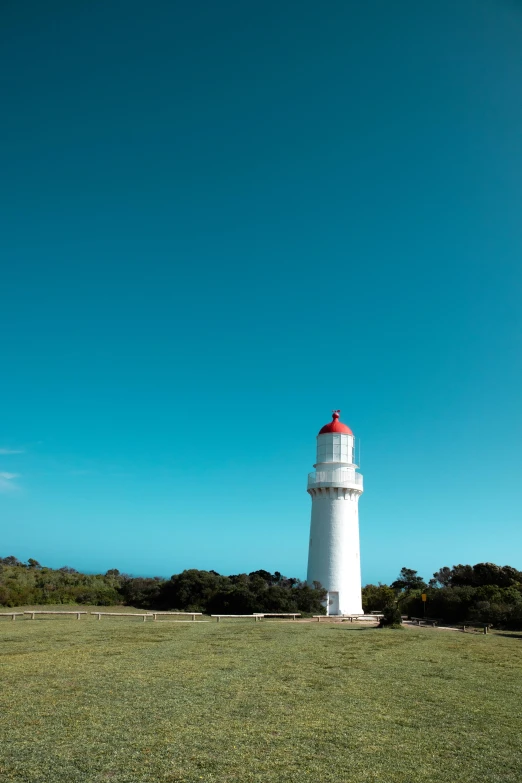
<point>335,444</point>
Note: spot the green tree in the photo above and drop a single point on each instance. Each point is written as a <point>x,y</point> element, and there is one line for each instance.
<point>441,577</point>
<point>376,597</point>
<point>407,581</point>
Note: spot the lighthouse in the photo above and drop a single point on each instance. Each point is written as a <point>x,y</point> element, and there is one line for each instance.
<point>334,549</point>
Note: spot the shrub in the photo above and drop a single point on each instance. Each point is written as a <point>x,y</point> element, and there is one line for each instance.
<point>391,617</point>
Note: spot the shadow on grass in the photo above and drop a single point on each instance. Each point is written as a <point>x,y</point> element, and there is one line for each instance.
<point>365,629</point>
<point>509,635</point>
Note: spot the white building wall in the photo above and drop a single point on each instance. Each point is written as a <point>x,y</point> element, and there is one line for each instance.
<point>334,549</point>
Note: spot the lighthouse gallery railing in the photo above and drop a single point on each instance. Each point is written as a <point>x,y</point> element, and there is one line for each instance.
<point>342,477</point>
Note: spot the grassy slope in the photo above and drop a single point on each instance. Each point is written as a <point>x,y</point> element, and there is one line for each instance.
<point>125,701</point>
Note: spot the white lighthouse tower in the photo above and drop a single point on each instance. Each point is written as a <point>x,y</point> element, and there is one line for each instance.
<point>335,488</point>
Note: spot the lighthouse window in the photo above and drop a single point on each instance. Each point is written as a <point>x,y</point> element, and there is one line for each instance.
<point>336,443</point>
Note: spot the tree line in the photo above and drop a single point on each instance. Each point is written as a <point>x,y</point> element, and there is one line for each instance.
<point>30,583</point>
<point>481,593</point>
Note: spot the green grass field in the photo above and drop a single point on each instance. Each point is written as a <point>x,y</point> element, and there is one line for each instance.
<point>125,701</point>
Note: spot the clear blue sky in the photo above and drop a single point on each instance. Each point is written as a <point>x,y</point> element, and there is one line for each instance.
<point>220,220</point>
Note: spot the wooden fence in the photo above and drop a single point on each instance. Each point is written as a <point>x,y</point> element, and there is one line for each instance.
<point>35,612</point>
<point>351,618</point>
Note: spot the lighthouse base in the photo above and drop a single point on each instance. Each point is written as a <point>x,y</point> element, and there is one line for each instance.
<point>336,607</point>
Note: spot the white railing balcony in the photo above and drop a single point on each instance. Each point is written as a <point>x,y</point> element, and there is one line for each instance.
<point>342,477</point>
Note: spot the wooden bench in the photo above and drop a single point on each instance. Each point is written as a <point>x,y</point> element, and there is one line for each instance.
<point>184,614</point>
<point>78,614</point>
<point>255,617</point>
<point>12,615</point>
<point>278,614</point>
<point>427,620</point>
<point>121,614</point>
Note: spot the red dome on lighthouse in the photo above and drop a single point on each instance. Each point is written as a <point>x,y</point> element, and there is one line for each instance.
<point>335,425</point>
